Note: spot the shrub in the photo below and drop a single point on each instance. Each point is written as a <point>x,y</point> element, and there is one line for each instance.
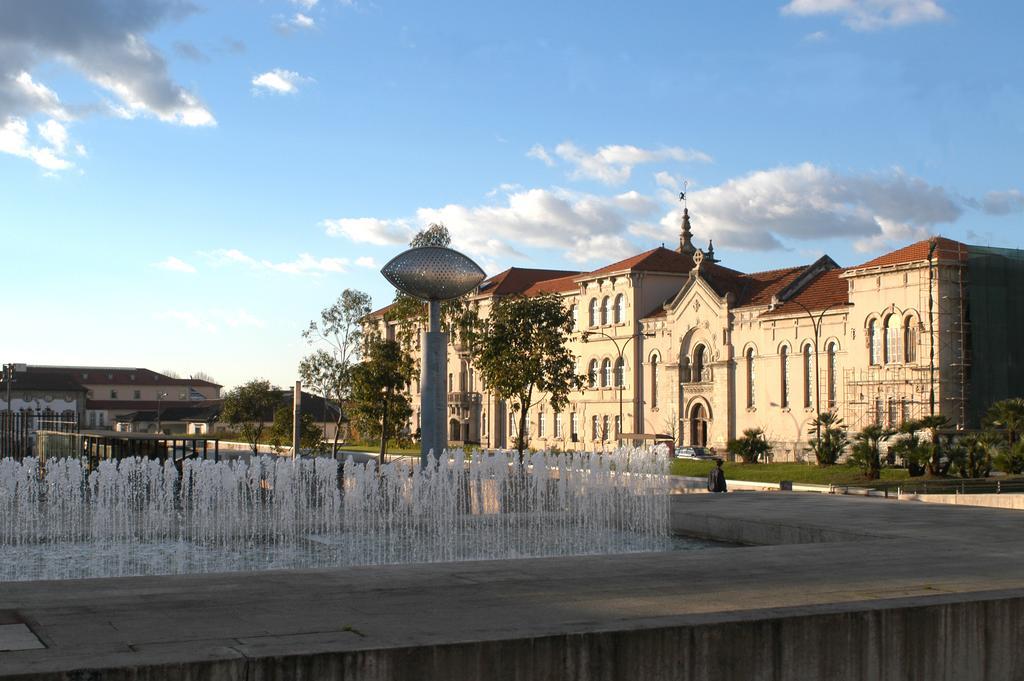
<point>833,438</point>
<point>751,447</point>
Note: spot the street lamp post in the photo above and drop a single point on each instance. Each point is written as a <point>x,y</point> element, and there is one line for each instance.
<point>621,381</point>
<point>159,396</point>
<point>816,323</point>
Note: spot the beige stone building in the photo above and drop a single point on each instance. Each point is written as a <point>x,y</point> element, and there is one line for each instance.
<point>676,344</point>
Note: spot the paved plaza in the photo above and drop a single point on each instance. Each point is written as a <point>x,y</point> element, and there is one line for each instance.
<point>858,588</point>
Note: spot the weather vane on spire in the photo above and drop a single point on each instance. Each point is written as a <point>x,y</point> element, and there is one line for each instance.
<point>682,194</point>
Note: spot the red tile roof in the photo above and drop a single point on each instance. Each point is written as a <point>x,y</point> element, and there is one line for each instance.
<point>945,250</point>
<point>559,285</point>
<point>519,279</point>
<point>825,290</point>
<point>659,259</point>
<point>118,376</point>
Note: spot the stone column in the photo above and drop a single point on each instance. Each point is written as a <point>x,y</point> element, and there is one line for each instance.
<point>433,389</point>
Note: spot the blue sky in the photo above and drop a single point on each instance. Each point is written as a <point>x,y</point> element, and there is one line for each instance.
<point>185,185</point>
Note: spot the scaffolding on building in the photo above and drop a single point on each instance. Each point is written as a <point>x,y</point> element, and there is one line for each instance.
<point>938,379</point>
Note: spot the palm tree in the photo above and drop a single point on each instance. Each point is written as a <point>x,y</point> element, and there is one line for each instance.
<point>910,448</point>
<point>867,450</point>
<point>830,437</point>
<point>751,447</point>
<point>934,424</point>
<point>1008,416</point>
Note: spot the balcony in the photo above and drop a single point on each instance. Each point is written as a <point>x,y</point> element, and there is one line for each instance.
<point>465,400</point>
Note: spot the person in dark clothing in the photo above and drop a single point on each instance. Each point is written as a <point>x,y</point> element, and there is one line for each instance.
<point>716,478</point>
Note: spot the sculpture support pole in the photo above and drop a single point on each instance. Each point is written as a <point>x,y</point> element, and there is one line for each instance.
<point>433,391</point>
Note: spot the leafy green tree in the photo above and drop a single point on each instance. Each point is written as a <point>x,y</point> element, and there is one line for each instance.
<point>248,406</point>
<point>310,434</point>
<point>521,351</point>
<point>834,440</point>
<point>339,337</point>
<point>867,450</point>
<point>752,447</point>
<point>380,406</point>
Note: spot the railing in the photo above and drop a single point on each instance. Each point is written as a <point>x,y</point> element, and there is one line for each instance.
<point>18,430</point>
<point>464,399</point>
<point>994,485</point>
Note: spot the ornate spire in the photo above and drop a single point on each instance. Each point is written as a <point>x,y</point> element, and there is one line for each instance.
<point>686,246</point>
<point>711,252</point>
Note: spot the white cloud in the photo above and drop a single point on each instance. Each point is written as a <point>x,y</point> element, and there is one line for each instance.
<point>370,230</point>
<point>762,210</point>
<point>301,20</point>
<point>187,318</point>
<point>243,318</point>
<point>303,264</point>
<point>54,133</point>
<point>279,81</point>
<point>613,164</point>
<point>668,180</point>
<point>80,150</point>
<point>307,4</point>
<point>538,152</point>
<point>105,43</point>
<point>14,140</point>
<point>585,226</point>
<point>366,261</point>
<point>870,15</point>
<point>1003,202</point>
<point>807,202</point>
<point>816,37</point>
<point>173,264</point>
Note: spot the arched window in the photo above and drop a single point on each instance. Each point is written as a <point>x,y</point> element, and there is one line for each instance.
<point>654,381</point>
<point>620,370</point>
<point>463,376</point>
<point>784,373</point>
<point>874,342</point>
<point>604,310</point>
<point>750,377</point>
<point>893,352</point>
<point>606,373</point>
<point>595,429</point>
<point>909,340</point>
<point>808,375</point>
<point>698,363</point>
<point>575,316</point>
<point>830,351</point>
<point>605,428</point>
<point>592,374</point>
<point>620,309</point>
<point>593,312</point>
<point>879,413</point>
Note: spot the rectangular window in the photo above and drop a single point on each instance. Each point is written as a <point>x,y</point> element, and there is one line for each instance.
<point>558,424</point>
<point>113,394</point>
<point>542,423</point>
<point>879,413</point>
<point>604,428</point>
<point>137,394</point>
<point>618,427</point>
<point>574,425</point>
<point>596,428</point>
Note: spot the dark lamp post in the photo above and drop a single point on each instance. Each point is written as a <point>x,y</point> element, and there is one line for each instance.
<point>622,383</point>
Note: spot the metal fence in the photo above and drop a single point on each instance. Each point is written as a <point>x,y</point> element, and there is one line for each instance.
<point>19,430</point>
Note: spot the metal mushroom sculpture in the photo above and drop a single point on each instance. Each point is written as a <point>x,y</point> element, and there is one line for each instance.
<point>433,274</point>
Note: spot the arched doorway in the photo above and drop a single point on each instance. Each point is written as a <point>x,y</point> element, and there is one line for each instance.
<point>698,425</point>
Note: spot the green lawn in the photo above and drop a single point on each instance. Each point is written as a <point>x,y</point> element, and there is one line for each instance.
<point>775,472</point>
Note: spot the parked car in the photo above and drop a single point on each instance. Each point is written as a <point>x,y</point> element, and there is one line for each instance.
<point>695,454</point>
